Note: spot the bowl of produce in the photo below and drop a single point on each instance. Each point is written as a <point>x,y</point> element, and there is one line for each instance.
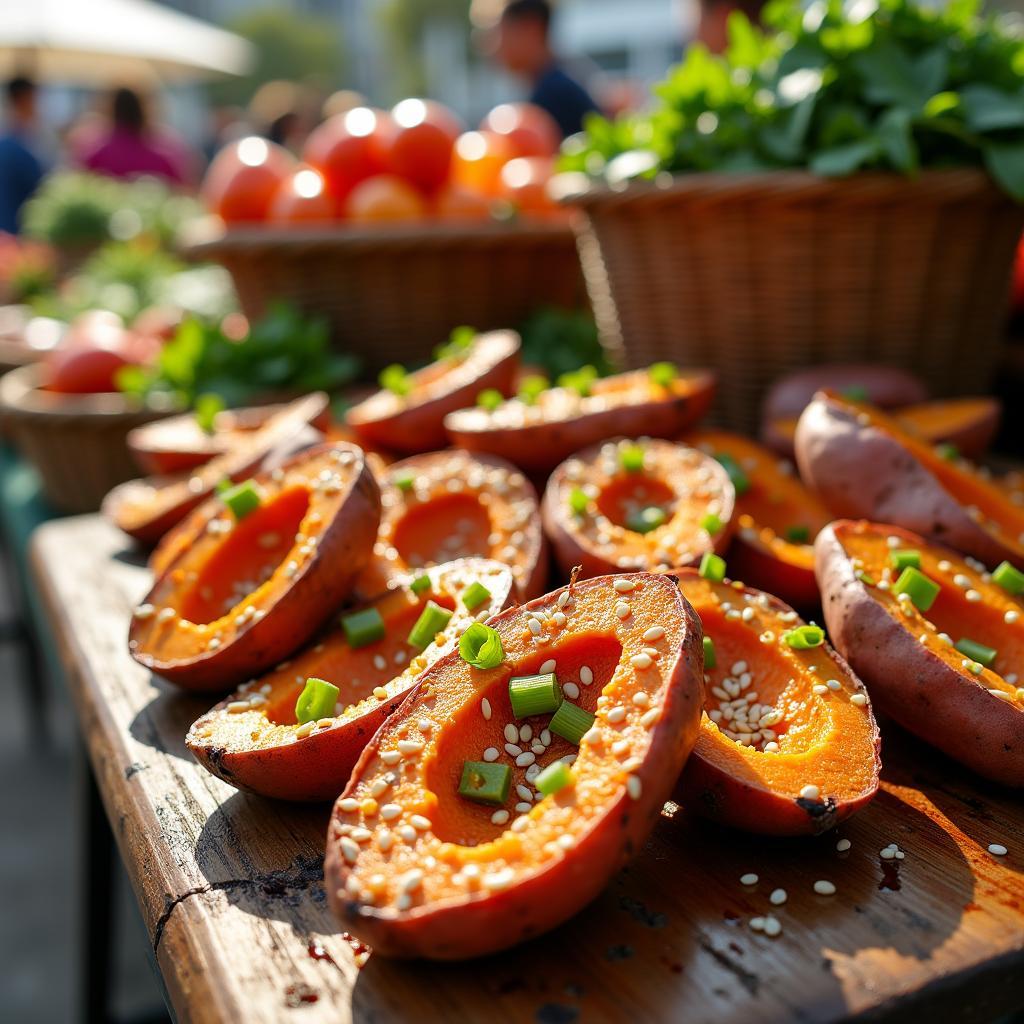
<point>398,226</point>
<point>847,187</point>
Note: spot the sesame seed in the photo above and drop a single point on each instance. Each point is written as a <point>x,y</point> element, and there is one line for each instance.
<point>641,699</point>
<point>749,879</point>
<point>511,733</point>
<point>641,660</point>
<point>411,880</point>
<point>654,633</point>
<point>634,786</point>
<point>823,887</point>
<point>525,733</point>
<point>424,725</point>
<point>390,811</point>
<point>485,709</point>
<point>592,736</point>
<point>513,749</point>
<point>624,586</point>
<point>820,689</point>
<point>390,756</point>
<point>973,596</point>
<point>997,849</point>
<point>622,610</point>
<point>304,730</point>
<point>648,718</point>
<point>534,626</point>
<point>520,824</point>
<point>349,804</point>
<point>379,786</point>
<point>385,841</point>
<point>526,758</point>
<point>616,715</point>
<point>778,897</point>
<point>145,611</point>
<point>418,821</point>
<point>563,598</point>
<point>570,690</point>
<point>497,880</point>
<point>523,806</point>
<point>236,706</point>
<point>491,754</point>
<point>548,666</point>
<point>409,747</point>
<point>860,699</point>
<point>887,854</point>
<point>757,924</point>
<point>1011,616</point>
<point>834,684</point>
<point>500,817</point>
<point>620,747</point>
<point>810,792</point>
<point>843,845</point>
<point>772,926</point>
<point>361,835</point>
<point>408,833</point>
<point>586,675</point>
<point>380,693</point>
<point>349,849</point>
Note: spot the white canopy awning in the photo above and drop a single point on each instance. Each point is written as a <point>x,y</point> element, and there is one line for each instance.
<point>88,42</point>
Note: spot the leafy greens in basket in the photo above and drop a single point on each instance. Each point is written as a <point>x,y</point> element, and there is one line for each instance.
<point>834,88</point>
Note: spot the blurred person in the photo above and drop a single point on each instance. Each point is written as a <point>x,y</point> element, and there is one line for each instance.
<point>226,124</point>
<point>341,102</point>
<point>284,112</point>
<point>130,147</point>
<point>713,29</point>
<point>522,45</point>
<point>21,169</point>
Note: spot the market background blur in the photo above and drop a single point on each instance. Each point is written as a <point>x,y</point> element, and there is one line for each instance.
<point>310,59</point>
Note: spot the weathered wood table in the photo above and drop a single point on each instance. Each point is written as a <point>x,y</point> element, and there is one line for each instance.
<point>230,886</point>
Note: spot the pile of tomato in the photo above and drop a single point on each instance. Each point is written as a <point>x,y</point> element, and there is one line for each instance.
<point>414,162</point>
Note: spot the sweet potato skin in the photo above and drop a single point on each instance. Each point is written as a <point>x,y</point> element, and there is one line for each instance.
<point>862,472</point>
<point>420,427</point>
<point>910,684</point>
<point>316,592</point>
<point>475,926</point>
<point>536,448</point>
<point>754,563</point>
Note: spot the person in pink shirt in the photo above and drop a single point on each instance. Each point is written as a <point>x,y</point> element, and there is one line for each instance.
<point>130,148</point>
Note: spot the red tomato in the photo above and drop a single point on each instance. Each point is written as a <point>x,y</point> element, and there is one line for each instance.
<point>348,148</point>
<point>478,160</point>
<point>384,197</point>
<point>82,369</point>
<point>524,184</point>
<point>243,178</point>
<point>302,198</point>
<point>529,130</point>
<point>418,146</point>
<point>455,203</point>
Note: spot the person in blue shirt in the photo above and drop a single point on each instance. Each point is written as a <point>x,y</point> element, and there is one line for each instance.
<point>20,168</point>
<point>523,46</point>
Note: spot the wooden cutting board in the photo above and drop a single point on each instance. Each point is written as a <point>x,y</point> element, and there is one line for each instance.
<point>231,891</point>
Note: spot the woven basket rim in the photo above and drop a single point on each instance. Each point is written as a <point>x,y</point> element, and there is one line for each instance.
<point>22,396</point>
<point>208,241</point>
<point>939,184</point>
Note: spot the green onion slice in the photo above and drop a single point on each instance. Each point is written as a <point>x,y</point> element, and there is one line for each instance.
<point>1009,578</point>
<point>663,374</point>
<point>579,380</point>
<point>363,627</point>
<point>420,585</point>
<point>856,393</point>
<point>242,499</point>
<point>901,558</point>
<point>712,567</point>
<point>739,478</point>
<point>404,481</point>
<point>804,638</point>
<point>475,595</point>
<point>571,722</point>
<point>531,388</point>
<point>711,523</point>
<point>480,646</point>
<point>798,534</point>
<point>976,652</point>
<point>432,620</point>
<point>631,458</point>
<point>647,519</point>
<point>207,405</point>
<point>578,501</point>
<point>395,379</point>
<point>484,782</point>
<point>921,589</point>
<point>316,701</point>
<point>534,695</point>
<point>710,657</point>
<point>947,451</point>
<point>556,776</point>
<point>490,399</point>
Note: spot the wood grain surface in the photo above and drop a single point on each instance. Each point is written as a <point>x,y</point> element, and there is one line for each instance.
<point>231,891</point>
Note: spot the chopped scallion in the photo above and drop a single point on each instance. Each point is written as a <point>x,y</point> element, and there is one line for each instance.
<point>556,776</point>
<point>242,499</point>
<point>395,379</point>
<point>432,620</point>
<point>976,652</point>
<point>921,590</point>
<point>647,519</point>
<point>711,523</point>
<point>420,585</point>
<point>534,695</point>
<point>901,558</point>
<point>316,701</point>
<point>631,458</point>
<point>475,595</point>
<point>798,534</point>
<point>739,478</point>
<point>663,374</point>
<point>485,782</point>
<point>363,627</point>
<point>490,399</point>
<point>531,388</point>
<point>571,722</point>
<point>856,393</point>
<point>947,451</point>
<point>712,567</point>
<point>404,481</point>
<point>207,406</point>
<point>480,646</point>
<point>578,501</point>
<point>803,638</point>
<point>1009,578</point>
<point>710,657</point>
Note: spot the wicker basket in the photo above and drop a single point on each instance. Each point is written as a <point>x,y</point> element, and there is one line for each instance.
<point>756,275</point>
<point>393,293</point>
<point>77,442</point>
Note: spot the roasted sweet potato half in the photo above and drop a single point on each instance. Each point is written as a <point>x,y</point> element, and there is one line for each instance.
<point>788,744</point>
<point>263,575</point>
<point>647,504</point>
<point>865,466</point>
<point>969,424</point>
<point>413,421</point>
<point>254,740</point>
<point>560,421</point>
<point>777,518</point>
<point>883,386</point>
<point>491,817</point>
<point>452,504</point>
<point>147,509</point>
<point>940,650</point>
<point>179,444</point>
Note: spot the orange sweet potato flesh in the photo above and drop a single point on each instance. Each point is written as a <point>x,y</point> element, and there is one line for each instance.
<point>538,437</point>
<point>147,509</point>
<point>430,874</point>
<point>246,594</point>
<point>753,779</point>
<point>776,502</point>
<point>864,465</point>
<point>906,657</point>
<point>179,444</point>
<point>453,504</point>
<point>252,739</point>
<point>415,422</point>
<point>968,423</point>
<point>683,482</point>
